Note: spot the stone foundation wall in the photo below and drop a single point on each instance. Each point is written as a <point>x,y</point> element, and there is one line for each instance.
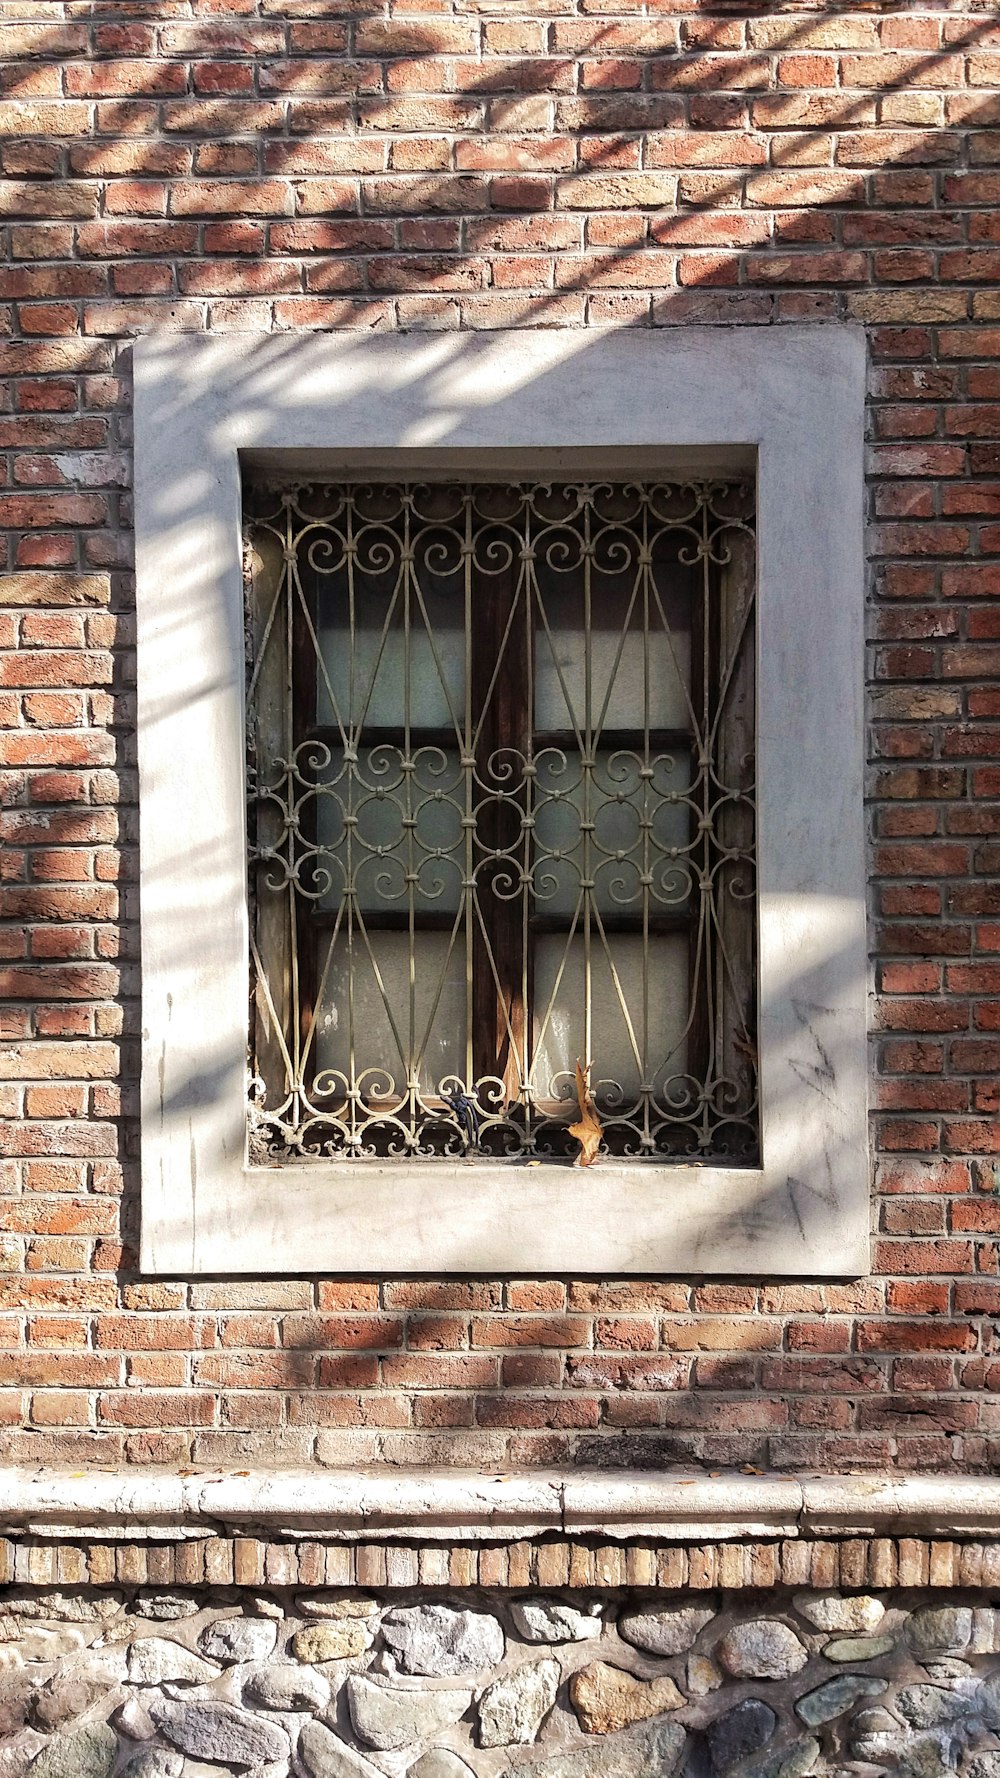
<point>172,1682</point>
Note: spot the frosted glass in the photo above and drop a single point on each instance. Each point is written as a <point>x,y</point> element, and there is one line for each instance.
<point>564,653</point>
<point>374,1044</point>
<point>561,798</point>
<point>437,686</point>
<point>380,881</point>
<point>611,1052</point>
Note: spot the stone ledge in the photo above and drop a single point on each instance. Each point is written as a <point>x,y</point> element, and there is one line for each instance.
<point>459,1507</point>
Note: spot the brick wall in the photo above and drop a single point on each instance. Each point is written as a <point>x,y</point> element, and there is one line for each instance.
<point>207,164</point>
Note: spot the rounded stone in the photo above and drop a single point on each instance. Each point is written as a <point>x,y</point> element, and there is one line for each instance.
<point>152,1660</point>
<point>940,1630</point>
<point>18,1751</point>
<point>793,1761</point>
<point>513,1708</point>
<point>84,1753</point>
<point>856,1612</point>
<point>668,1632</point>
<point>764,1648</point>
<point>607,1698</point>
<point>928,1706</point>
<point>739,1732</point>
<point>331,1641</point>
<point>165,1607</point>
<point>987,1697</point>
<point>440,1762</point>
<point>650,1750</point>
<point>701,1676</point>
<point>924,1756</point>
<point>284,1686</point>
<point>67,1695</point>
<point>323,1605</point>
<point>837,1695</point>
<point>75,1606</point>
<point>389,1717</point>
<point>214,1731</point>
<point>436,1640</point>
<point>859,1648</point>
<point>549,1620</point>
<point>239,1639</point>
<point>133,1719</point>
<point>325,1755</point>
<point>154,1762</point>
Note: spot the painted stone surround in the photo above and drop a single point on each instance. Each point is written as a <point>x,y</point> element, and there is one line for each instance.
<point>177,1682</point>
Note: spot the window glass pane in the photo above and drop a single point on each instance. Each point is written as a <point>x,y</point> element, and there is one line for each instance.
<point>641,827</point>
<point>408,637</point>
<point>354,1010</point>
<point>560,1013</point>
<point>639,652</point>
<point>404,819</point>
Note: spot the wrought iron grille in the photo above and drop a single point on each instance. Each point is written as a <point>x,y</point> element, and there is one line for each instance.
<point>501,819</point>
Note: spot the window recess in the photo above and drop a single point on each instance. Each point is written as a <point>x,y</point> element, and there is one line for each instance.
<point>501,817</point>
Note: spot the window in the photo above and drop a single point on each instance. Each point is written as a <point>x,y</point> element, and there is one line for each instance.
<point>501,818</point>
<point>727,1048</point>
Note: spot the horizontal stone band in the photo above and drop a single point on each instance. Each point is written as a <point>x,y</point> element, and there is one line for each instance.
<point>460,1508</point>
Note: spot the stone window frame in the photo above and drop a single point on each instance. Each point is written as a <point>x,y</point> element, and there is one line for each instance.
<point>787,403</point>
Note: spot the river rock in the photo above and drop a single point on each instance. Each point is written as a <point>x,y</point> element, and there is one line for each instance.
<point>42,1644</point>
<point>166,1607</point>
<point>239,1639</point>
<point>549,1620</point>
<point>18,1751</point>
<point>387,1717</point>
<point>875,1736</point>
<point>325,1755</point>
<point>440,1762</point>
<point>18,1686</point>
<point>209,1730</point>
<point>84,1753</point>
<point>793,1761</point>
<point>73,1606</point>
<point>153,1762</point>
<point>667,1632</point>
<point>739,1732</point>
<point>761,1649</point>
<point>926,1756</point>
<point>281,1685</point>
<point>330,1642</point>
<point>950,1668</point>
<point>985,1631</point>
<point>858,1612</point>
<point>439,1641</point>
<point>607,1698</point>
<point>984,1765</point>
<point>652,1750</point>
<point>154,1659</point>
<point>133,1719</point>
<point>701,1676</point>
<point>928,1706</point>
<point>940,1630</point>
<point>987,1701</point>
<point>859,1648</point>
<point>836,1696</point>
<point>67,1695</point>
<point>513,1708</point>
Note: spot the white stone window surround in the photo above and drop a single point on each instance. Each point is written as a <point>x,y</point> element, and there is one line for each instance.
<point>788,400</point>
